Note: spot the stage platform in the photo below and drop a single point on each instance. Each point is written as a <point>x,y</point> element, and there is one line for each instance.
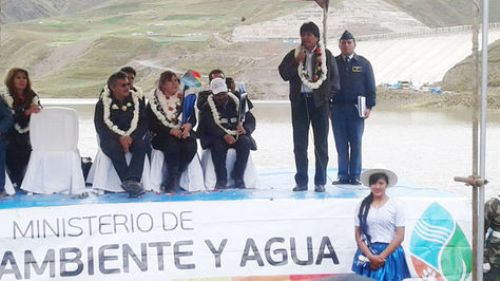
<point>269,233</point>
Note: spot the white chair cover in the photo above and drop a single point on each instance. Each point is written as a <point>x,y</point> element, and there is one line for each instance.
<point>55,164</point>
<point>250,175</point>
<point>191,179</point>
<point>9,188</point>
<point>103,176</point>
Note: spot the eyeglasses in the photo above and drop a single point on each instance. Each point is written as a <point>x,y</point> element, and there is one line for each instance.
<point>126,85</point>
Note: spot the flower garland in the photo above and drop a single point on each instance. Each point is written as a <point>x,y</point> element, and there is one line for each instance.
<point>10,102</point>
<point>167,114</point>
<point>108,104</point>
<point>320,70</point>
<point>216,114</point>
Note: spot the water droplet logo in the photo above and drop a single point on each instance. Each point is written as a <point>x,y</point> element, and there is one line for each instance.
<point>438,247</point>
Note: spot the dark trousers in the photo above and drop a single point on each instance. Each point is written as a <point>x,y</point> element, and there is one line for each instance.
<point>493,274</point>
<point>305,114</point>
<point>178,154</point>
<point>219,149</point>
<point>2,164</point>
<point>17,157</point>
<point>348,130</point>
<point>133,171</point>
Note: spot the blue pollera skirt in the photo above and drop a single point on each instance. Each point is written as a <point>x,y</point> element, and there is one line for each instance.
<point>395,267</point>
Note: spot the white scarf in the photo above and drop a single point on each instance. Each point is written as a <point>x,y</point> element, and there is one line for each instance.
<point>169,118</point>
<point>108,105</point>
<point>216,114</point>
<point>10,102</point>
<point>308,83</point>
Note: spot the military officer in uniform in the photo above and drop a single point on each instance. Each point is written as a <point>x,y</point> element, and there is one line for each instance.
<point>356,79</point>
<point>121,122</point>
<point>221,128</point>
<point>492,251</point>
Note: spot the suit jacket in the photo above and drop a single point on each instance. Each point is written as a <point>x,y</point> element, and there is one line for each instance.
<point>159,131</point>
<point>356,79</point>
<point>121,119</point>
<point>322,95</point>
<point>208,130</point>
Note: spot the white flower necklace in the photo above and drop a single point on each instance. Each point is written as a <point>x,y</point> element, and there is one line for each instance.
<point>107,104</point>
<point>216,114</point>
<point>321,69</point>
<point>169,118</point>
<point>10,102</point>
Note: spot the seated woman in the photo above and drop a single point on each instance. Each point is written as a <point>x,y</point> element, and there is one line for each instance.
<point>174,138</point>
<point>23,101</point>
<point>380,230</point>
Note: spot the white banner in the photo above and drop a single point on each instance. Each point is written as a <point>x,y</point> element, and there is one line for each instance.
<point>210,239</point>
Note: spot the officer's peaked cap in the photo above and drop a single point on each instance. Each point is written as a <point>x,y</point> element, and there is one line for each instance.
<point>347,36</point>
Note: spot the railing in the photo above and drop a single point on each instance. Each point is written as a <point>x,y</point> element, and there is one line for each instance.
<point>424,33</point>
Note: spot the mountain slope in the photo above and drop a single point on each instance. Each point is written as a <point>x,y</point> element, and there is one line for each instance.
<point>22,10</point>
<point>439,13</point>
<point>459,78</point>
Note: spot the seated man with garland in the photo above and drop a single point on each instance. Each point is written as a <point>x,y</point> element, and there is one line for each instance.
<point>121,123</point>
<point>221,128</point>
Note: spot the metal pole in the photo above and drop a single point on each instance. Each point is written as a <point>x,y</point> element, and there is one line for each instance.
<point>475,134</point>
<point>482,138</point>
<point>325,26</point>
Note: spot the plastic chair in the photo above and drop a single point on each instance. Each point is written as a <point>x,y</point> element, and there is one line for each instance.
<point>103,176</point>
<point>54,165</point>
<point>9,187</point>
<point>249,177</point>
<point>191,179</point>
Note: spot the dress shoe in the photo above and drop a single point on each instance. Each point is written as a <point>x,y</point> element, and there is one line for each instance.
<point>220,185</point>
<point>354,182</point>
<point>239,183</point>
<point>319,188</point>
<point>300,188</point>
<point>340,181</point>
<point>134,188</point>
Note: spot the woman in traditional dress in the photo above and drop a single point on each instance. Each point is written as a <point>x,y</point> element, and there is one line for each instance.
<point>380,230</point>
<point>23,102</point>
<point>174,138</point>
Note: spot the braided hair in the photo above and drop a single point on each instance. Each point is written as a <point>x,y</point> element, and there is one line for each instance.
<point>366,203</point>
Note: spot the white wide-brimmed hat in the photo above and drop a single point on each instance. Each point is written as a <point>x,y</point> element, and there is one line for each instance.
<point>365,176</point>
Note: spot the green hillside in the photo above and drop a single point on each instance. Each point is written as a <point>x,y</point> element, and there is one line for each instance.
<point>73,55</point>
<point>70,47</point>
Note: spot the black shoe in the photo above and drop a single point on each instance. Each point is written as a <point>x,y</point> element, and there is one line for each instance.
<point>340,181</point>
<point>171,184</point>
<point>354,182</point>
<point>220,185</point>
<point>319,188</point>
<point>239,183</point>
<point>300,188</point>
<point>134,188</point>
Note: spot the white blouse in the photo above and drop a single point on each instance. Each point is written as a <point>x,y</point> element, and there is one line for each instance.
<point>382,221</point>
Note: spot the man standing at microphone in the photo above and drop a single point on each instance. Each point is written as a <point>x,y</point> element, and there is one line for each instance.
<point>313,77</point>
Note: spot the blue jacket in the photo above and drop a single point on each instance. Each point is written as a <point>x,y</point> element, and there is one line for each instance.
<point>6,119</point>
<point>356,79</point>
